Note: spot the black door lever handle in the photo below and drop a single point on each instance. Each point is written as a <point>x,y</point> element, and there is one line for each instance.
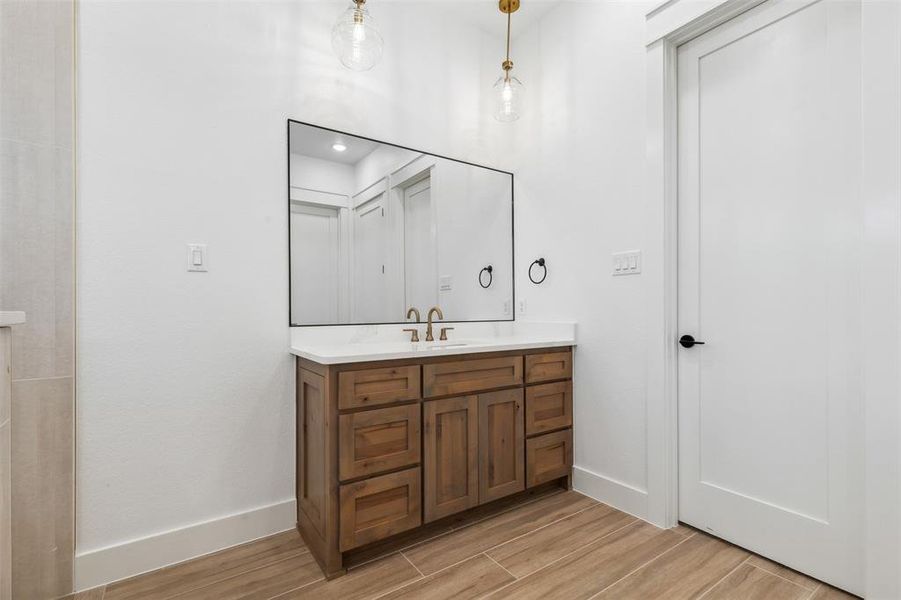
<point>687,341</point>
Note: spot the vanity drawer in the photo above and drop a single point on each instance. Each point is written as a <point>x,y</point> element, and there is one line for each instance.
<point>549,406</point>
<point>377,508</point>
<point>550,366</point>
<point>549,457</point>
<point>376,387</point>
<point>378,440</point>
<point>461,377</point>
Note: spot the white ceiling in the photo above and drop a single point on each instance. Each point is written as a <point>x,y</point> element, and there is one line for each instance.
<point>482,14</point>
<point>317,143</point>
<point>485,14</point>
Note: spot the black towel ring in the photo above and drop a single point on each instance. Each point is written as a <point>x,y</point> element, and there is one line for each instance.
<point>540,263</point>
<point>488,270</point>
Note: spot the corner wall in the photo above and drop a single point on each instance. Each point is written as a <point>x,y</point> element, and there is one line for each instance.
<point>579,158</point>
<point>185,385</point>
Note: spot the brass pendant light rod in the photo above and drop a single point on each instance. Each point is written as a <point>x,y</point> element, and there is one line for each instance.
<point>508,7</point>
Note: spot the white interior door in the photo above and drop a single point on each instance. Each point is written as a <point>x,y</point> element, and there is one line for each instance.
<point>314,264</point>
<point>769,249</point>
<point>371,237</point>
<point>420,263</point>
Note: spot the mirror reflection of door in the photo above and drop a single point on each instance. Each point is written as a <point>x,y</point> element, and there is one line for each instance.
<point>390,227</point>
<point>370,243</point>
<point>420,262</point>
<point>314,266</point>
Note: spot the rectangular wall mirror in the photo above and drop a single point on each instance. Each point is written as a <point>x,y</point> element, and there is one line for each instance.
<point>376,228</point>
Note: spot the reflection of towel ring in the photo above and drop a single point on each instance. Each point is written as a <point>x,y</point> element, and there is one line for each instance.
<point>540,263</point>
<point>488,270</point>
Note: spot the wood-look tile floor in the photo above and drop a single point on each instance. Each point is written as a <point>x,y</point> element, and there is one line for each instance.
<point>561,545</point>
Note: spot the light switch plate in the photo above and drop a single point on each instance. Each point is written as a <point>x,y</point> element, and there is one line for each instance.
<point>627,263</point>
<point>198,259</point>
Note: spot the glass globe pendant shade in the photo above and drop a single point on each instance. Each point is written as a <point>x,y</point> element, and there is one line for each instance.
<point>508,98</point>
<point>355,39</point>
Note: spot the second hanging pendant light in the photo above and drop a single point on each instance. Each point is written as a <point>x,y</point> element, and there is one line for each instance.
<point>508,89</point>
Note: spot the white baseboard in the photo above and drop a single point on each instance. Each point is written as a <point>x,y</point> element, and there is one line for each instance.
<point>105,565</point>
<point>617,494</point>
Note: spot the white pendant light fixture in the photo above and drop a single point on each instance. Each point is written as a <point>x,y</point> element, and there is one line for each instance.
<point>508,89</point>
<point>355,39</point>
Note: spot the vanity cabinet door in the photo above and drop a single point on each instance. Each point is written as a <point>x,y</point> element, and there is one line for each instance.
<point>549,407</point>
<point>377,508</point>
<point>466,376</point>
<point>501,447</point>
<point>379,440</point>
<point>549,366</point>
<point>549,457</point>
<point>451,451</point>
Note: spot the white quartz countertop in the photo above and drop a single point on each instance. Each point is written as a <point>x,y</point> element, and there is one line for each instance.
<point>352,343</point>
<point>14,317</point>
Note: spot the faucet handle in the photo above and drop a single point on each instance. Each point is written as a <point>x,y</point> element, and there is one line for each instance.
<point>414,337</point>
<point>444,330</point>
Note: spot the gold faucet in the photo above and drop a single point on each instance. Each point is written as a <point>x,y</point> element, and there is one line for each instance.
<point>428,332</point>
<point>413,311</point>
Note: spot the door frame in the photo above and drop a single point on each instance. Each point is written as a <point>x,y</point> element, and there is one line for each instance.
<point>337,212</point>
<point>670,24</point>
<point>420,168</point>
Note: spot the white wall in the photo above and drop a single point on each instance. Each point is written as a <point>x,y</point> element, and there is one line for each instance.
<point>579,160</point>
<point>185,388</point>
<point>321,175</point>
<point>380,162</point>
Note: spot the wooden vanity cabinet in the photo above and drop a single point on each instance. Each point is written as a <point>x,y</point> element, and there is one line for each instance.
<point>385,448</point>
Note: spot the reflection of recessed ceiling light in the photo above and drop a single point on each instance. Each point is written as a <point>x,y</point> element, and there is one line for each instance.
<point>339,147</point>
